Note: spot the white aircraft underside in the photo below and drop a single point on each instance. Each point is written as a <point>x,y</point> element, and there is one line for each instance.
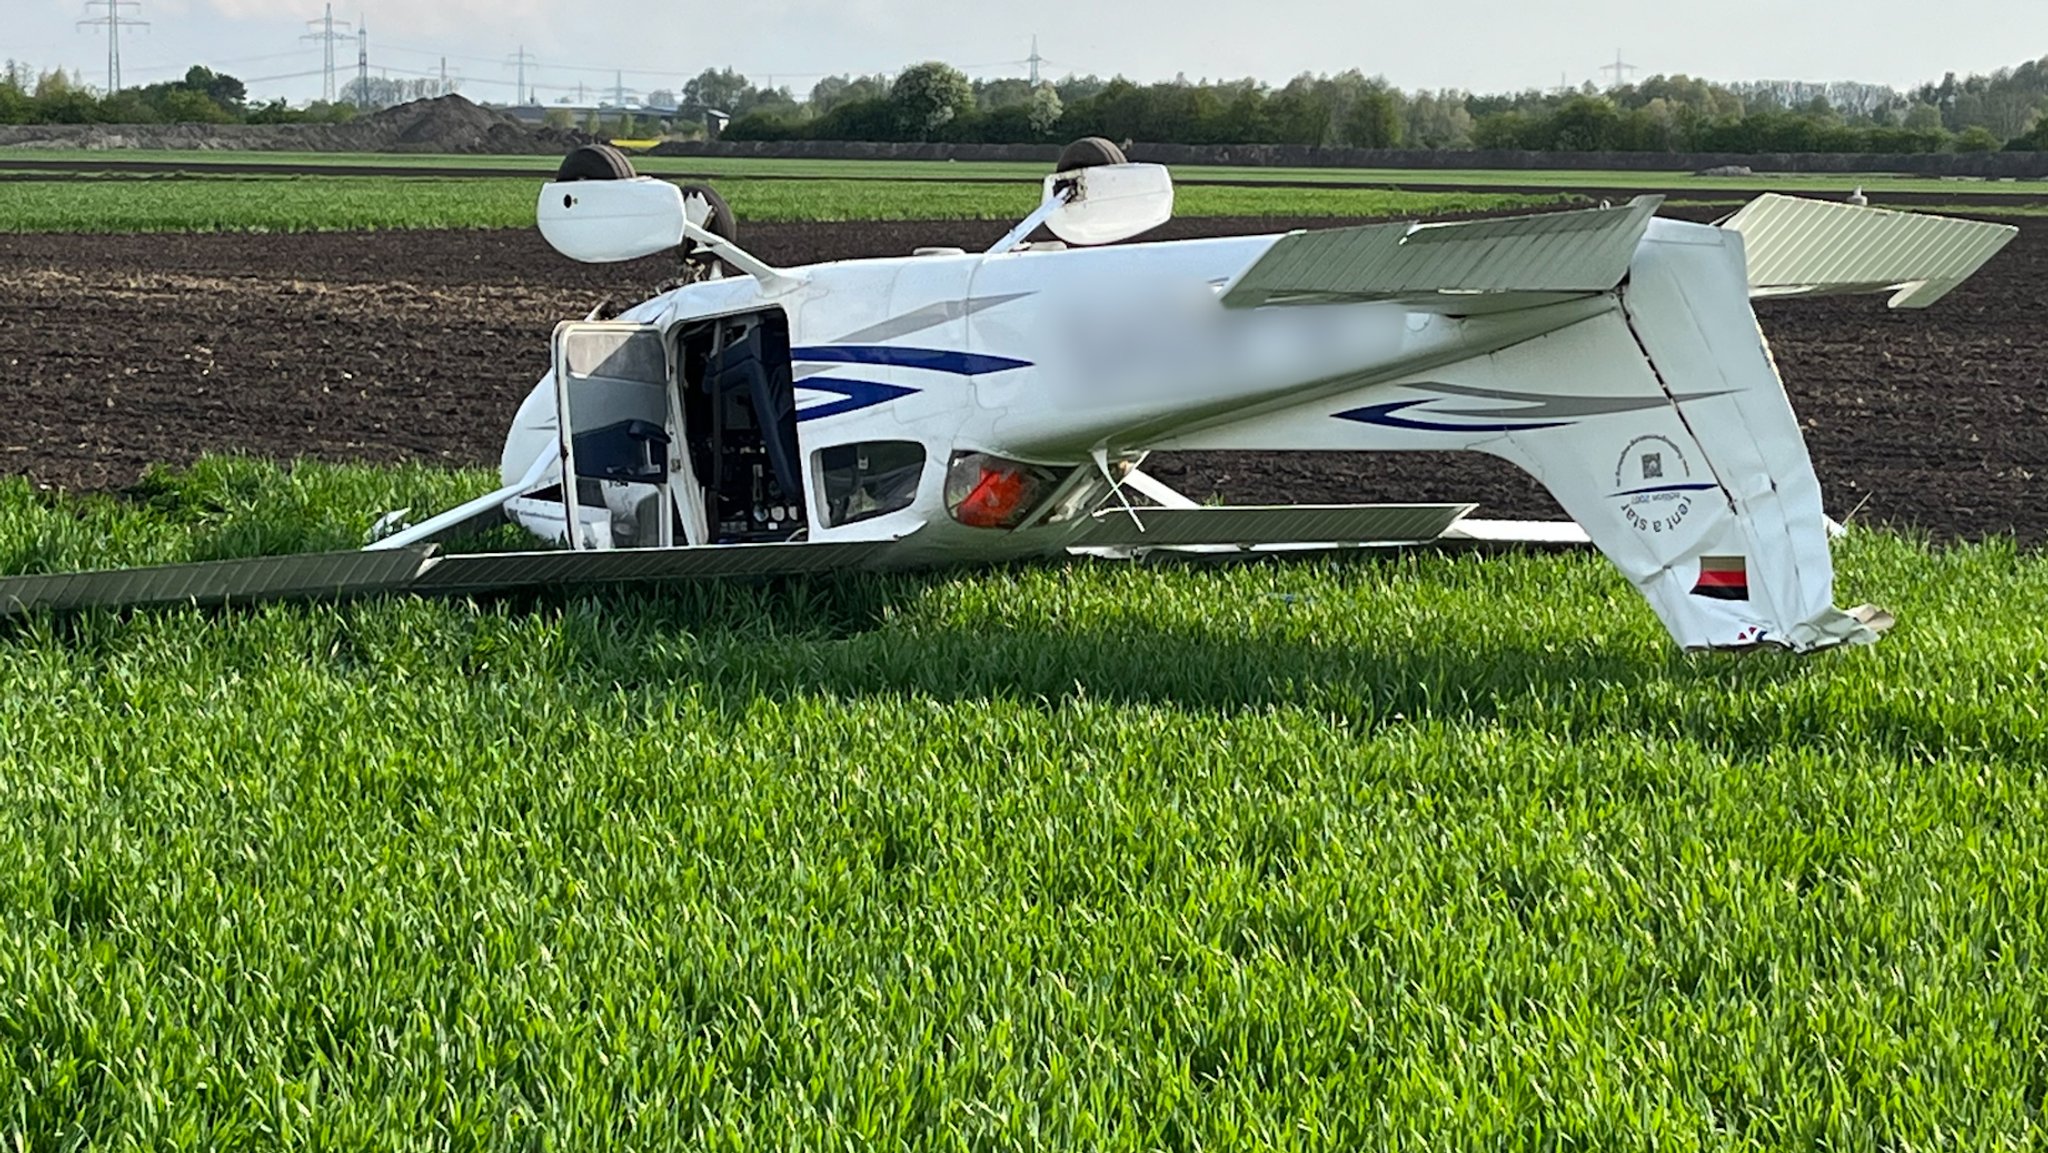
<point>957,408</point>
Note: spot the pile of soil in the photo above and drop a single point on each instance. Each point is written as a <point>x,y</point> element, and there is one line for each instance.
<point>118,352</point>
<point>447,124</point>
<point>453,124</point>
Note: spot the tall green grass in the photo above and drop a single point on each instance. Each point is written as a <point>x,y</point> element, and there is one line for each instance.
<point>303,204</point>
<point>1435,851</point>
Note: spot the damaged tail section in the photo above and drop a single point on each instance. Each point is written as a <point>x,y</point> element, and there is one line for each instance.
<point>1660,425</point>
<point>1687,467</point>
<point>1709,503</point>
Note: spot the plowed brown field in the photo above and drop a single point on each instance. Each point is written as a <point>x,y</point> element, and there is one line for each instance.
<point>117,352</point>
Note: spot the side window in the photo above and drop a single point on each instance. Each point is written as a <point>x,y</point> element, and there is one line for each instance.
<point>871,479</point>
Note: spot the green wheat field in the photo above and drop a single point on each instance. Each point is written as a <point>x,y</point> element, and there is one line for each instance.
<point>1427,851</point>
<point>1423,851</point>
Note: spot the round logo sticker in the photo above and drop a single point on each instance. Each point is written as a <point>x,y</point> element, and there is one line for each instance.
<point>1654,483</point>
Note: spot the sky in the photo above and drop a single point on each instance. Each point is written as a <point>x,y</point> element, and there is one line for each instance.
<point>1482,45</point>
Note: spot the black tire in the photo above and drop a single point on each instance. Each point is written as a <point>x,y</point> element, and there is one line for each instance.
<point>721,222</point>
<point>595,162</point>
<point>1089,152</point>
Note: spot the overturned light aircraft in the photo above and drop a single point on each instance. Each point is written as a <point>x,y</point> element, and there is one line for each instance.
<point>952,407</point>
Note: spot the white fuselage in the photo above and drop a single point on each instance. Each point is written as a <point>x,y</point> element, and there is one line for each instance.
<point>1051,357</point>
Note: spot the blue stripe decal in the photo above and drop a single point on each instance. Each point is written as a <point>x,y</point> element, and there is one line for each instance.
<point>1669,488</point>
<point>935,359</point>
<point>1388,415</point>
<point>858,394</point>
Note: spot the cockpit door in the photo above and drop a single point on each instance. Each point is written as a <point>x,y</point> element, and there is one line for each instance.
<point>619,427</point>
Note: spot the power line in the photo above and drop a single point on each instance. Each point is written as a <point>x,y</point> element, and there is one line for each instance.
<point>521,58</point>
<point>362,61</point>
<point>1620,68</point>
<point>113,22</point>
<point>284,76</point>
<point>327,38</point>
<point>181,69</point>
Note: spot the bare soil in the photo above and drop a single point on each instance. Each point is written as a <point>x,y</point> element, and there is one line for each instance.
<point>119,352</point>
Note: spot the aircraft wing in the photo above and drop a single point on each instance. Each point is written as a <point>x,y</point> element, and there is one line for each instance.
<point>1799,247</point>
<point>1270,526</point>
<point>1466,266</point>
<point>420,570</point>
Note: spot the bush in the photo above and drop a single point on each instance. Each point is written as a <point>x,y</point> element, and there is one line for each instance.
<point>1978,138</point>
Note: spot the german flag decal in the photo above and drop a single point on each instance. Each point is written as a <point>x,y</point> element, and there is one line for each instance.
<point>1723,578</point>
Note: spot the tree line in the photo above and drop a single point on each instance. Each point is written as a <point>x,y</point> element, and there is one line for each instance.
<point>936,102</point>
<point>201,96</point>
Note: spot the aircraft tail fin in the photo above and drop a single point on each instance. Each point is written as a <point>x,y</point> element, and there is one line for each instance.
<point>1657,419</point>
<point>1699,488</point>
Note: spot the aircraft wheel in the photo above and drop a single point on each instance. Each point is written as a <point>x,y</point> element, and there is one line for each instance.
<point>709,211</point>
<point>1089,152</point>
<point>595,162</point>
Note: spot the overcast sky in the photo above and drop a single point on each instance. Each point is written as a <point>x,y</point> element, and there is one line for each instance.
<point>1486,45</point>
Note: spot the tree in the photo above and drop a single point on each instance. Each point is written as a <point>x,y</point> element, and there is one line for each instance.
<point>990,95</point>
<point>662,98</point>
<point>929,95</point>
<point>720,89</point>
<point>224,90</point>
<point>15,106</point>
<point>827,92</point>
<point>1045,112</point>
<point>1584,124</point>
<point>61,100</point>
<point>1374,119</point>
<point>1300,113</point>
<point>1074,89</point>
<point>833,91</point>
<point>1978,138</point>
<point>1923,118</point>
<point>1510,131</point>
<point>1438,120</point>
<point>2035,141</point>
<point>184,106</point>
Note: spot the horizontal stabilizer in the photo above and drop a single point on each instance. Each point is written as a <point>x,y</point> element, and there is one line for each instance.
<point>1800,247</point>
<point>1550,256</point>
<point>416,570</point>
<point>1361,524</point>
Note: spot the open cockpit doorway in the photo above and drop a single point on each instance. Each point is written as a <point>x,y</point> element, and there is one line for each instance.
<point>683,436</point>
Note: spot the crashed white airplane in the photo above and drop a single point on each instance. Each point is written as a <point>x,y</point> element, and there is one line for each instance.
<point>952,407</point>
